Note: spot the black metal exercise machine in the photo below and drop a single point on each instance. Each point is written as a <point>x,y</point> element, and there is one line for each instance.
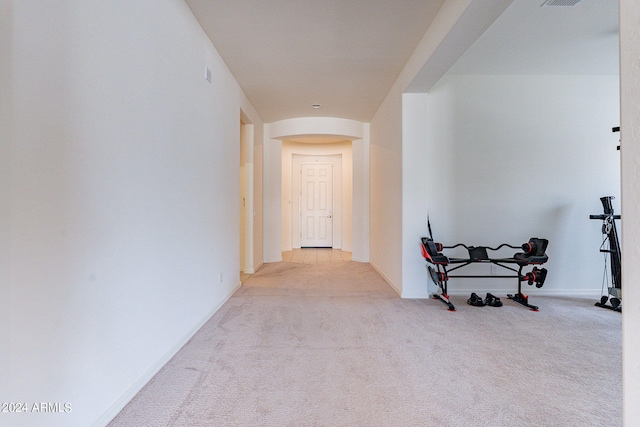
<point>611,246</point>
<point>534,253</point>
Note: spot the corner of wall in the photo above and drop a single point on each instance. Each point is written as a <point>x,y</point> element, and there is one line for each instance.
<point>630,154</point>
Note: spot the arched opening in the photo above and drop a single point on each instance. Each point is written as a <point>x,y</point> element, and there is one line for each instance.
<point>342,144</point>
<point>317,187</point>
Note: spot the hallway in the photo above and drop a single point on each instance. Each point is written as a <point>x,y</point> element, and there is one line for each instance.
<point>316,256</point>
<point>310,256</point>
<point>120,171</point>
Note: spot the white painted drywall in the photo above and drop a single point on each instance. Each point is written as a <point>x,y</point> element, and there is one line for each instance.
<point>258,205</point>
<point>248,262</point>
<point>630,146</point>
<point>6,62</point>
<point>417,174</point>
<point>456,26</point>
<point>303,126</point>
<point>524,156</point>
<point>386,190</point>
<point>272,197</point>
<point>124,184</point>
<point>360,213</point>
<point>459,112</point>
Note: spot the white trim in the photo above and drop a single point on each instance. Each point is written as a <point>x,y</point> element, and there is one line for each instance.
<point>416,295</point>
<point>588,293</point>
<point>254,269</point>
<point>573,293</point>
<point>258,267</point>
<point>115,409</point>
<point>312,126</point>
<point>386,279</point>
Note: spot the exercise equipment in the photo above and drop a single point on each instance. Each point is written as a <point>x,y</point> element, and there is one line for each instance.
<point>533,254</point>
<point>610,245</point>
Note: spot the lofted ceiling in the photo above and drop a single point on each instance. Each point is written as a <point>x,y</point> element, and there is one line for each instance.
<point>346,54</point>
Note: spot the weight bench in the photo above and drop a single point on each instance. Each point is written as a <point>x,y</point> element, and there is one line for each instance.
<point>533,254</point>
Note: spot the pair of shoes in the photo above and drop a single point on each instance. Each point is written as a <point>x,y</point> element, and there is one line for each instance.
<point>493,301</point>
<point>475,300</point>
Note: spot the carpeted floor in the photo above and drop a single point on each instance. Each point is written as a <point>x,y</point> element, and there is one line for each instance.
<point>333,345</point>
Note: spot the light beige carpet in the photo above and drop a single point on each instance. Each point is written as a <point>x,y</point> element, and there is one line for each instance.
<point>333,345</point>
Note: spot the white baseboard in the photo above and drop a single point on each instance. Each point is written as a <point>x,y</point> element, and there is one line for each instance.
<point>135,388</point>
<point>386,279</point>
<point>587,293</point>
<point>253,270</point>
<point>416,295</point>
<point>458,291</point>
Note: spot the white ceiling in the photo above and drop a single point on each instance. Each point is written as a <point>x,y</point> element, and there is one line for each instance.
<point>290,54</point>
<point>530,39</point>
<point>346,54</point>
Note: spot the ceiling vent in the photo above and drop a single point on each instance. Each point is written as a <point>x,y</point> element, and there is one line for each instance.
<point>560,3</point>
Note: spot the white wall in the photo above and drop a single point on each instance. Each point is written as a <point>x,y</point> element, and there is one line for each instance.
<point>387,124</point>
<point>462,111</point>
<point>417,177</point>
<point>456,26</point>
<point>360,206</point>
<point>343,195</point>
<point>386,191</point>
<point>124,186</point>
<point>258,197</point>
<point>272,197</point>
<point>630,146</point>
<point>5,164</point>
<point>523,156</point>
<point>251,206</point>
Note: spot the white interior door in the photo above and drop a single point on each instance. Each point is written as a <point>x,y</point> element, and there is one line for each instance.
<point>316,205</point>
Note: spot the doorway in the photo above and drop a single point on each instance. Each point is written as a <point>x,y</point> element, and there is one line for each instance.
<point>246,197</point>
<point>313,136</point>
<point>316,205</point>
